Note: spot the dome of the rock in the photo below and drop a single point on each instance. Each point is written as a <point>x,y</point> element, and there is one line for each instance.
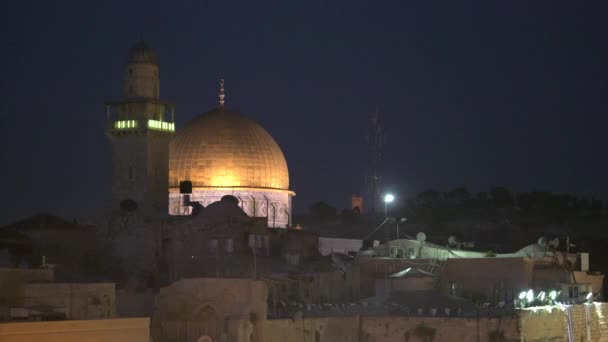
<point>223,152</point>
<point>226,149</point>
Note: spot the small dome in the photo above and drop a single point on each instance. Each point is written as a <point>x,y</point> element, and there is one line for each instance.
<point>222,148</point>
<point>142,53</point>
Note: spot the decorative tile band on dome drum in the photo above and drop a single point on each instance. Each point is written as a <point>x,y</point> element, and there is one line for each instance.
<point>274,205</point>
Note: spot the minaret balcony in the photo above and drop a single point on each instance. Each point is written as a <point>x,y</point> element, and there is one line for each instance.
<point>156,125</point>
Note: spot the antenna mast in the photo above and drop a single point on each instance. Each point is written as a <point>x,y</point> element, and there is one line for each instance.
<point>375,142</point>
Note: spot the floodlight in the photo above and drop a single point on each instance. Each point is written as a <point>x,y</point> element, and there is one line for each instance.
<point>522,295</point>
<point>388,198</point>
<point>553,295</point>
<point>530,295</point>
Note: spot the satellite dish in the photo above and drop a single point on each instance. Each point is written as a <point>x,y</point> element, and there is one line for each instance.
<point>542,241</point>
<point>421,237</point>
<point>554,243</point>
<point>452,241</point>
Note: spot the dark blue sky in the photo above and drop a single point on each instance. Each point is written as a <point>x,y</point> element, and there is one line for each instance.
<point>475,93</point>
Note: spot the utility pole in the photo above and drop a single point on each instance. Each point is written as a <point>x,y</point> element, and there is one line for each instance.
<point>375,140</point>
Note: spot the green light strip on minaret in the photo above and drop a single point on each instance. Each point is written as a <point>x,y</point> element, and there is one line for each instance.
<point>161,125</point>
<point>125,124</point>
<point>152,124</point>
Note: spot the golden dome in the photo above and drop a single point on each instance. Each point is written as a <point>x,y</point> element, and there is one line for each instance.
<point>222,148</point>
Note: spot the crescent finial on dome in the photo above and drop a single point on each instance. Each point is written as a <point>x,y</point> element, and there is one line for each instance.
<point>222,94</point>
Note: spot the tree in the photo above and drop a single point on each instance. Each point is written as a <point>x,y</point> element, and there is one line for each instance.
<point>322,210</point>
<point>429,198</point>
<point>501,197</point>
<point>458,195</point>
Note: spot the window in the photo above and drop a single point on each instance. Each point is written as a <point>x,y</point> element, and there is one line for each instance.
<point>400,253</point>
<point>259,241</point>
<point>229,246</point>
<point>130,72</point>
<point>452,289</point>
<point>213,246</point>
<point>131,172</point>
<point>410,253</point>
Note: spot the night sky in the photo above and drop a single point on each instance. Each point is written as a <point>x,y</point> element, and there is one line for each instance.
<point>477,94</point>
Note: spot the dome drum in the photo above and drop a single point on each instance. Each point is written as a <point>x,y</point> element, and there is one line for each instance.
<point>272,204</point>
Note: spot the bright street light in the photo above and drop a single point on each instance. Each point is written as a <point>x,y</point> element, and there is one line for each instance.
<point>388,198</point>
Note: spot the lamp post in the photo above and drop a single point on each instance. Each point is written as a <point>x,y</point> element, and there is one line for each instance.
<point>400,221</point>
<point>388,198</point>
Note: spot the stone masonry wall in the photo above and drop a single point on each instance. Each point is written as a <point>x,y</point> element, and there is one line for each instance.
<point>391,329</point>
<point>586,322</point>
<point>115,330</point>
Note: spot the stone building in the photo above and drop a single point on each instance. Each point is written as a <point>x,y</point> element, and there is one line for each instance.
<point>140,127</point>
<point>221,152</point>
<point>234,310</point>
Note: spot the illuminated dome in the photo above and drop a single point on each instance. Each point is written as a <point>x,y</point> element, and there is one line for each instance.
<point>222,148</point>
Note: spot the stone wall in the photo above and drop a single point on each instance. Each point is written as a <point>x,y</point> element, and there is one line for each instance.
<point>398,329</point>
<point>389,329</point>
<point>115,330</point>
<point>134,304</point>
<point>311,329</point>
<point>483,279</point>
<point>80,301</point>
<point>530,325</point>
<point>12,281</point>
<point>320,287</point>
<point>337,245</point>
<point>213,299</point>
<point>587,322</point>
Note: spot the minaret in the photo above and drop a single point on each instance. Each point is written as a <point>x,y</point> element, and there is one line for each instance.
<point>140,128</point>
